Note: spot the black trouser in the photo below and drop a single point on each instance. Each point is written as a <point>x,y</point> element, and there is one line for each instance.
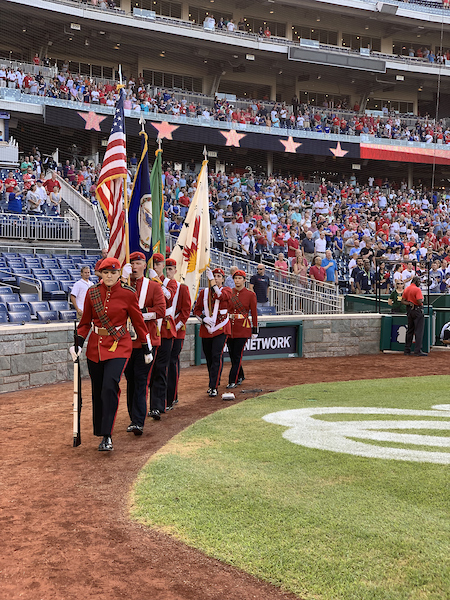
<point>416,322</point>
<point>105,376</point>
<point>138,377</point>
<point>236,350</point>
<point>213,349</point>
<point>158,376</point>
<point>174,371</point>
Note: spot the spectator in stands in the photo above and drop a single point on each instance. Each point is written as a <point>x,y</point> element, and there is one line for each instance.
<point>33,200</point>
<point>281,268</point>
<point>308,247</point>
<point>42,195</point>
<point>229,281</point>
<point>55,200</point>
<point>330,266</point>
<point>231,232</point>
<point>316,271</point>
<point>259,284</point>
<point>15,201</point>
<point>79,290</point>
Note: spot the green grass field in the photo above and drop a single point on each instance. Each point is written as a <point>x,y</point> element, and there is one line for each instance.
<point>319,523</point>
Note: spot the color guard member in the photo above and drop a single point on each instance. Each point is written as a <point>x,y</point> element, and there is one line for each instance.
<point>211,309</point>
<point>106,310</point>
<point>153,307</point>
<point>242,303</point>
<point>158,377</point>
<point>182,310</point>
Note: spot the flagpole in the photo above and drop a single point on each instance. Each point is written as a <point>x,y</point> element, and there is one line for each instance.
<point>125,195</point>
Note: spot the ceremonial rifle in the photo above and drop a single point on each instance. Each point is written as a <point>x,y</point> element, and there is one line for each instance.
<point>76,394</point>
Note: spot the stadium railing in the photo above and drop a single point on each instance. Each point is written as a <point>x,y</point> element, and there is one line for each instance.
<point>33,227</point>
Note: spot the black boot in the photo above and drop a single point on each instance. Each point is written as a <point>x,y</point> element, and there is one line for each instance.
<point>106,444</point>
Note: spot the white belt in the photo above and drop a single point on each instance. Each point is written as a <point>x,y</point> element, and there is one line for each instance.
<point>169,311</point>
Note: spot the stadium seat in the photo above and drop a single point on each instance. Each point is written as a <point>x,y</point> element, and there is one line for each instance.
<point>47,315</point>
<point>22,271</point>
<point>58,273</point>
<point>19,317</point>
<point>38,306</point>
<point>66,286</point>
<point>74,273</point>
<point>41,256</point>
<point>3,308</point>
<point>5,289</point>
<point>59,305</point>
<point>267,310</point>
<point>39,271</point>
<point>67,315</point>
<point>45,278</point>
<point>18,307</point>
<point>13,297</point>
<point>29,297</point>
<point>9,255</point>
<point>3,317</point>
<point>25,256</point>
<point>49,263</point>
<point>52,291</point>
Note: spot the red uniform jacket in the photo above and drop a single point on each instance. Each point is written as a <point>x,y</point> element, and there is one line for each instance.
<point>182,310</point>
<point>222,311</point>
<point>120,302</point>
<point>168,325</point>
<point>243,303</point>
<point>154,303</point>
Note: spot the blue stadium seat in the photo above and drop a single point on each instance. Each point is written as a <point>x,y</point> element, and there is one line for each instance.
<point>29,297</point>
<point>47,315</point>
<point>5,278</point>
<point>77,258</point>
<point>267,310</point>
<point>58,273</point>
<point>13,297</point>
<point>59,305</point>
<point>9,255</point>
<point>38,272</point>
<point>19,317</point>
<point>52,291</point>
<point>41,256</point>
<point>22,271</point>
<point>38,306</point>
<point>74,273</point>
<point>45,277</point>
<point>16,263</point>
<point>49,263</point>
<point>5,289</point>
<point>33,263</point>
<point>66,286</point>
<point>25,256</point>
<point>66,263</point>
<point>18,307</point>
<point>67,315</point>
<point>3,308</point>
<point>3,317</point>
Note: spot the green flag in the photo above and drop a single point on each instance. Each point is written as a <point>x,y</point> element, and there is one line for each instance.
<point>158,233</point>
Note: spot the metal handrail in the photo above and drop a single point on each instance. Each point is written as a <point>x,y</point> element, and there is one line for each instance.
<point>27,278</point>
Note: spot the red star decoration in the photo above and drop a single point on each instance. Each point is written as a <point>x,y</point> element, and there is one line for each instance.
<point>92,119</point>
<point>290,145</point>
<point>233,137</point>
<point>164,130</point>
<point>338,150</point>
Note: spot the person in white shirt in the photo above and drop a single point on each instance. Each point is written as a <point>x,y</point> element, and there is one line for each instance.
<point>41,193</point>
<point>408,274</point>
<point>2,77</point>
<point>320,245</point>
<point>79,290</point>
<point>12,78</point>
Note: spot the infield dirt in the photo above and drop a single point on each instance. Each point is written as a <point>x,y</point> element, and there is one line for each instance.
<point>65,533</point>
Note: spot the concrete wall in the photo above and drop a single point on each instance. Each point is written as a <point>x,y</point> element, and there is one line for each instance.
<point>33,355</point>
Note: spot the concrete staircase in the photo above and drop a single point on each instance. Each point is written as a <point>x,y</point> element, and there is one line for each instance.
<point>88,239</point>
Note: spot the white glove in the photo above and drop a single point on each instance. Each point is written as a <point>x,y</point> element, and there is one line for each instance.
<point>152,273</point>
<point>208,321</point>
<point>148,358</point>
<point>126,271</point>
<point>75,353</point>
<point>209,274</point>
<point>254,336</point>
<point>149,316</point>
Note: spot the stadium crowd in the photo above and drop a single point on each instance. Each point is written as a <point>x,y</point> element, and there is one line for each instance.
<point>337,117</point>
<point>356,231</point>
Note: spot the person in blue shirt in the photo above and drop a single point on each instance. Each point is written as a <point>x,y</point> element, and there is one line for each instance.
<point>329,264</point>
<point>15,201</point>
<point>175,227</point>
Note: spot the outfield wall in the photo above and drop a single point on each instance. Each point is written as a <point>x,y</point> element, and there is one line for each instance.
<point>37,354</point>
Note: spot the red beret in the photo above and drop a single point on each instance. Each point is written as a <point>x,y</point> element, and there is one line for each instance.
<point>137,256</point>
<point>240,273</point>
<point>220,271</point>
<point>158,257</point>
<point>171,262</point>
<point>109,263</point>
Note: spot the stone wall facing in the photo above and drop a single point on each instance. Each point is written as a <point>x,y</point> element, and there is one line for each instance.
<point>37,354</point>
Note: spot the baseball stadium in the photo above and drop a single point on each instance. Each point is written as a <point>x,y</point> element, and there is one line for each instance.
<point>224,246</point>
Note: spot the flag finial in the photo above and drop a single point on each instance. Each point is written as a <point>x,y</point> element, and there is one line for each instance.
<point>205,153</point>
<point>142,122</point>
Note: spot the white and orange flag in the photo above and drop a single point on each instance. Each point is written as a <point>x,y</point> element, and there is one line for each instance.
<point>192,251</point>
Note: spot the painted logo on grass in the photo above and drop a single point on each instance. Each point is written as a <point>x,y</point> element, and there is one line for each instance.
<point>344,436</point>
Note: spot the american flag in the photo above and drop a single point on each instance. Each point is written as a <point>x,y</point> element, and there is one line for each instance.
<point>112,178</point>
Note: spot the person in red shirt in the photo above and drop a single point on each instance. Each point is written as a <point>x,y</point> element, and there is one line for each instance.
<point>137,372</point>
<point>242,304</point>
<point>106,309</point>
<point>182,310</point>
<point>51,183</point>
<point>413,299</point>
<point>10,183</point>
<point>316,271</point>
<point>212,309</point>
<point>292,244</point>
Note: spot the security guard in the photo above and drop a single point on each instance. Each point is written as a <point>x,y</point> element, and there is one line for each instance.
<point>106,309</point>
<point>158,377</point>
<point>182,309</point>
<point>211,309</point>
<point>242,303</point>
<point>153,307</point>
